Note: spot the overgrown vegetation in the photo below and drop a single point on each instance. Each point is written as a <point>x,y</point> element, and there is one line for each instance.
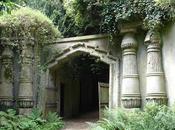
<point>28,23</point>
<point>35,121</point>
<point>107,15</point>
<point>81,17</point>
<point>55,10</point>
<point>153,117</point>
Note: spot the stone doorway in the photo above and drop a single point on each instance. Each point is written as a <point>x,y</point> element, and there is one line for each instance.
<point>77,84</point>
<point>64,82</point>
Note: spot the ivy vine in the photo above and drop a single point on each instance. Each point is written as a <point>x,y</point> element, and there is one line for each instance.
<point>153,15</point>
<point>109,14</point>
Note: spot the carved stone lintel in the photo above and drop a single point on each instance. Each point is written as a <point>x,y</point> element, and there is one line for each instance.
<point>155,82</point>
<point>131,97</point>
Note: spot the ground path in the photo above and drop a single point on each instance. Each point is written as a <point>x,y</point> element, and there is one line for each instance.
<point>80,123</point>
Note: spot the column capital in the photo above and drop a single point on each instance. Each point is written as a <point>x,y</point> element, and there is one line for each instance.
<point>152,38</point>
<point>129,41</point>
<point>25,42</point>
<point>7,52</point>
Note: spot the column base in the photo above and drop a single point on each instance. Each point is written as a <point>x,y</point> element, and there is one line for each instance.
<point>131,102</point>
<point>157,100</point>
<point>6,102</point>
<point>24,111</point>
<point>25,102</point>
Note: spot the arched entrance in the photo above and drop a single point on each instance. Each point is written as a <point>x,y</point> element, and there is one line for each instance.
<point>71,92</point>
<point>78,80</point>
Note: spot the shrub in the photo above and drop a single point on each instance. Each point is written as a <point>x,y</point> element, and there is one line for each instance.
<point>35,121</point>
<point>153,117</point>
<point>30,23</point>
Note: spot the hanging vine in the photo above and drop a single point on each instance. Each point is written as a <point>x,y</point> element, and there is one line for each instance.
<point>154,14</point>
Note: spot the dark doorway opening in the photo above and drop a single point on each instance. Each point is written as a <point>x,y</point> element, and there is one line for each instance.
<point>62,99</point>
<point>79,77</point>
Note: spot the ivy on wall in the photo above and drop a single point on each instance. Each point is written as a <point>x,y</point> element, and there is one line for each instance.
<point>107,15</point>
<point>153,15</point>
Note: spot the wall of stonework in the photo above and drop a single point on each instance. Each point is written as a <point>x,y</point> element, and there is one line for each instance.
<point>168,50</point>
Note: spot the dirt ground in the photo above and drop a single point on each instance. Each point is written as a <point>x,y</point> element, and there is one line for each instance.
<point>80,123</point>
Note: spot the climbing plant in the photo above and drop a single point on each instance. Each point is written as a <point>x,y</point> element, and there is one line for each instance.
<point>107,15</point>
<point>153,15</point>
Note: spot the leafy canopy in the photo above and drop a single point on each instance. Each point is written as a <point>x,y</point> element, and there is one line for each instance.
<point>81,17</point>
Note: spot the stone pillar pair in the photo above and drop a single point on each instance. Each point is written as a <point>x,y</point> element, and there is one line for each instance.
<point>25,89</point>
<point>155,87</point>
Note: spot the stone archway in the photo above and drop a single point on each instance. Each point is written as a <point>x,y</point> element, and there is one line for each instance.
<point>74,50</point>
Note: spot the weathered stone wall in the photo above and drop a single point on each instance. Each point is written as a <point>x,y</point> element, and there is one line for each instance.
<point>168,53</point>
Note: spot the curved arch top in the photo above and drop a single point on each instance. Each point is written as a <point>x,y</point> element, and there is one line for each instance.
<point>94,48</point>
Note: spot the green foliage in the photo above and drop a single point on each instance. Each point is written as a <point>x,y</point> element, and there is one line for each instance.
<point>81,17</point>
<point>55,10</point>
<point>86,14</point>
<point>152,14</point>
<point>153,117</point>
<point>10,121</point>
<point>6,6</point>
<point>28,23</point>
<point>107,15</point>
<point>165,1</point>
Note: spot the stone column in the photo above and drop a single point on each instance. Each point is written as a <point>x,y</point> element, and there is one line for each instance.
<point>155,87</point>
<point>6,87</point>
<point>25,96</point>
<point>131,97</point>
<point>37,72</point>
